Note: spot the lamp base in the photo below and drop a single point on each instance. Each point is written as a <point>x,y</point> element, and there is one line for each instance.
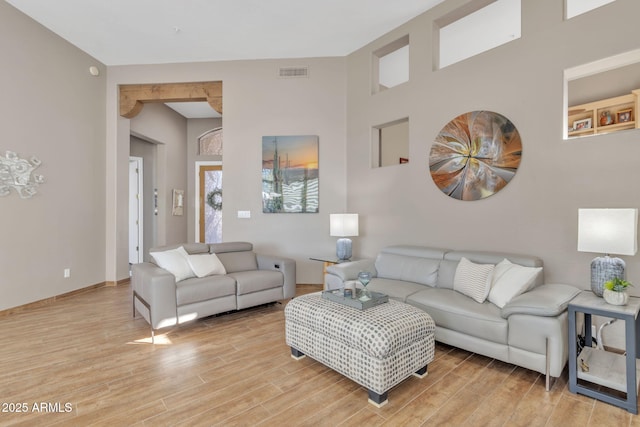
<point>343,249</point>
<point>604,269</point>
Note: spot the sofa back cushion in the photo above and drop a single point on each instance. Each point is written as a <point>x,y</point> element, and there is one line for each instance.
<point>447,273</point>
<point>190,248</point>
<point>451,259</point>
<point>235,256</point>
<point>407,268</point>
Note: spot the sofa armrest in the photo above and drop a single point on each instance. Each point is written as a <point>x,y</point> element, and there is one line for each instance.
<point>544,300</point>
<point>286,266</point>
<point>337,274</point>
<point>158,288</point>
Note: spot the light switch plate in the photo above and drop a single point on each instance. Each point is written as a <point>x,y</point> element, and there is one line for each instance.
<point>244,214</point>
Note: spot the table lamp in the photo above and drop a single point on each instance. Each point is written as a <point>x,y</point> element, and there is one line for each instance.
<point>607,231</point>
<point>343,225</point>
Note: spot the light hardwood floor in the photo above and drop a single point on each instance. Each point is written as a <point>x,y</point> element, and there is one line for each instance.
<point>87,351</point>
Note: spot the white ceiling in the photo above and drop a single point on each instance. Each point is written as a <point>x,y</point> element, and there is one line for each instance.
<point>194,110</point>
<point>124,32</point>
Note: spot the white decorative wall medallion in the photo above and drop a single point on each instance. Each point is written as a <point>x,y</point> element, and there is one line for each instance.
<point>18,174</point>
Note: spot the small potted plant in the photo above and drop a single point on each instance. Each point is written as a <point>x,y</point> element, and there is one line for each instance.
<point>615,291</point>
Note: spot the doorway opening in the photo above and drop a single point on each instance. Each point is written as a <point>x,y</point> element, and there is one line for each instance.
<point>136,209</point>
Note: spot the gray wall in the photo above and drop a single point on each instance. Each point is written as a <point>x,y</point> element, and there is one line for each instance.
<point>523,80</point>
<point>54,109</point>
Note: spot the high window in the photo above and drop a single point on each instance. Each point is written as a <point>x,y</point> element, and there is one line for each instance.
<point>578,7</point>
<point>476,28</point>
<point>391,65</point>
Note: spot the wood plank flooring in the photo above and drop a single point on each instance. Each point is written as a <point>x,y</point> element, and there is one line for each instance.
<point>83,361</point>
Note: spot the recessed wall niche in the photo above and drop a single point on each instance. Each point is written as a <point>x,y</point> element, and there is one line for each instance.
<point>608,87</point>
<point>390,65</point>
<point>390,143</point>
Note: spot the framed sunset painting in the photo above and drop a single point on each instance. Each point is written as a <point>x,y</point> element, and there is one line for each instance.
<point>290,180</point>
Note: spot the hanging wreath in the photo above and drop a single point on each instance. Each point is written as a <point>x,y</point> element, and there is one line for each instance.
<point>214,199</point>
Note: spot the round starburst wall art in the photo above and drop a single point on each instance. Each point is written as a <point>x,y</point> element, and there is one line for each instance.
<point>475,155</point>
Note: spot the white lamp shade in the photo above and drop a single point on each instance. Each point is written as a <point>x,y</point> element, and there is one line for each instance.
<point>608,231</point>
<point>343,225</point>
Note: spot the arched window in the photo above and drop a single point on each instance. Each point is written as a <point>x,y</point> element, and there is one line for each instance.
<point>210,143</point>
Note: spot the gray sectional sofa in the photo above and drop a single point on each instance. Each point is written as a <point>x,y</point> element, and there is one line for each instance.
<point>195,284</point>
<point>520,320</point>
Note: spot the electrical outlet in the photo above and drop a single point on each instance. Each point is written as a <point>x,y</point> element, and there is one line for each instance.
<point>244,214</point>
<point>67,273</point>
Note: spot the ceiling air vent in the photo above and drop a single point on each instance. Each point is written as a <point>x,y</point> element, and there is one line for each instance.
<point>293,72</point>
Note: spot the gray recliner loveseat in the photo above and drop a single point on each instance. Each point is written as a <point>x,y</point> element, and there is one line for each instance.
<point>516,319</point>
<point>200,280</point>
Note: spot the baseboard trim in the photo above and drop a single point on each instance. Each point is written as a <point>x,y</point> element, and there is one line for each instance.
<point>51,300</point>
<point>119,282</point>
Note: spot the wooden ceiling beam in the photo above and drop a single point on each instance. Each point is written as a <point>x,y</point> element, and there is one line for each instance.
<point>133,97</point>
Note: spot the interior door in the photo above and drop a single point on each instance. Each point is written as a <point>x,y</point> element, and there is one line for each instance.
<point>210,198</point>
<point>135,211</point>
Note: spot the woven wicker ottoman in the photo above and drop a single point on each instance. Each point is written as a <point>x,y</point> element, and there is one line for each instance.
<point>377,348</point>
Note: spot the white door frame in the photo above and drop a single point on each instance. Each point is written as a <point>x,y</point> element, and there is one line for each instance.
<point>197,193</point>
<point>136,206</point>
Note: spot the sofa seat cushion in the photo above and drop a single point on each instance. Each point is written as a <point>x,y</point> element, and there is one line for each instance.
<point>452,310</point>
<point>396,289</point>
<point>256,280</point>
<point>201,289</point>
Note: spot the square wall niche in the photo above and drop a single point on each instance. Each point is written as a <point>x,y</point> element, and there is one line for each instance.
<point>390,143</point>
<point>390,65</point>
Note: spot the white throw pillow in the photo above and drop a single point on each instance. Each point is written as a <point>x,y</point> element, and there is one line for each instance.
<point>206,264</point>
<point>511,280</point>
<point>473,280</point>
<point>175,262</point>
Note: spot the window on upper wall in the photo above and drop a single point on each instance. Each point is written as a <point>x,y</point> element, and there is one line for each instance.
<point>476,28</point>
<point>390,143</point>
<point>578,7</point>
<point>391,65</point>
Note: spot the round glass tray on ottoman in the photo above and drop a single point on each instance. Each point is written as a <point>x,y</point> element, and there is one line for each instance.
<point>377,348</point>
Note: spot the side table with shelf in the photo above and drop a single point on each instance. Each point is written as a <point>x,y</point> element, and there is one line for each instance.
<point>328,261</point>
<point>612,370</point>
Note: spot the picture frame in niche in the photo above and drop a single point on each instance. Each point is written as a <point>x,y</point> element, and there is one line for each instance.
<point>582,124</point>
<point>624,116</point>
<point>290,178</point>
<point>178,203</point>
